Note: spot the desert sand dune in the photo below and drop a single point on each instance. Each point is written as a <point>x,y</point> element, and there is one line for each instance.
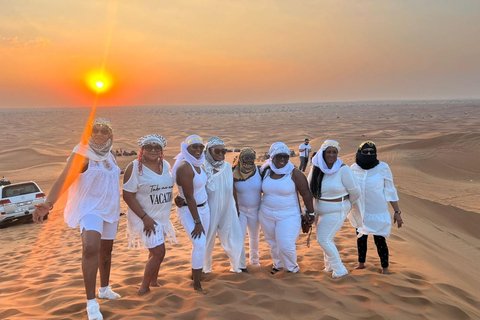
<point>432,148</point>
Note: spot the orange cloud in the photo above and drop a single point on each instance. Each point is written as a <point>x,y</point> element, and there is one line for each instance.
<point>15,42</point>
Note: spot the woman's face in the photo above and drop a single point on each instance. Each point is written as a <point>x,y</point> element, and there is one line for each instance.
<point>151,152</point>
<point>280,160</point>
<point>330,155</point>
<point>368,152</point>
<point>100,134</point>
<point>248,161</point>
<point>218,153</point>
<point>196,150</point>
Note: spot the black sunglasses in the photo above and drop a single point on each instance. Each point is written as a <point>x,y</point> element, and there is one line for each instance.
<point>368,152</point>
<point>282,156</point>
<point>150,147</point>
<point>103,131</point>
<point>218,151</point>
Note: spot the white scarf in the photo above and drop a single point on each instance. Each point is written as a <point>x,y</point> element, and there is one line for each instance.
<point>210,163</point>
<point>277,148</point>
<point>94,151</point>
<point>319,162</point>
<point>184,155</point>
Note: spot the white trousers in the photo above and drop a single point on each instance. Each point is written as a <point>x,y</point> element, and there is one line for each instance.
<point>281,232</point>
<point>331,216</point>
<point>199,244</point>
<point>249,218</point>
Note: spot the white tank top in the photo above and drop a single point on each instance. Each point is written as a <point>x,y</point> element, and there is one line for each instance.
<point>249,192</point>
<point>199,183</point>
<point>96,191</point>
<point>280,194</point>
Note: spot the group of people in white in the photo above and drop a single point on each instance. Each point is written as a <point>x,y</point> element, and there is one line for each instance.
<point>216,199</point>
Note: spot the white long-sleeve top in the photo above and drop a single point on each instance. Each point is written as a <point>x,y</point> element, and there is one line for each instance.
<point>339,184</point>
<point>377,189</point>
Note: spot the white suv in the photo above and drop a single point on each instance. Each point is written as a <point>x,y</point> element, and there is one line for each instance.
<point>17,201</point>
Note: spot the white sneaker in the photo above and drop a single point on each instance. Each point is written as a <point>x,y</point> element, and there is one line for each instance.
<point>339,275</point>
<point>93,311</point>
<point>108,293</point>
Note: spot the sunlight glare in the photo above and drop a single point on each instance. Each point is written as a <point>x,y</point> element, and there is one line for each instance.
<point>99,81</point>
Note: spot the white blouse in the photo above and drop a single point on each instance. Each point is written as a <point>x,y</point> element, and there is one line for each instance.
<point>153,192</point>
<point>377,189</point>
<point>339,184</point>
<point>96,191</point>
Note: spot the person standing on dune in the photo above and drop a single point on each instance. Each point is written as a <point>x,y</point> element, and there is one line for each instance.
<point>280,211</point>
<point>224,219</point>
<point>335,188</point>
<point>191,179</point>
<point>91,175</point>
<point>377,189</point>
<point>248,186</point>
<point>304,150</point>
<point>147,190</point>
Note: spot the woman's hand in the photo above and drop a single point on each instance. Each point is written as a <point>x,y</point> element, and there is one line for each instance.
<point>397,218</point>
<point>179,201</point>
<point>41,210</point>
<point>197,231</point>
<point>149,225</point>
<point>310,218</point>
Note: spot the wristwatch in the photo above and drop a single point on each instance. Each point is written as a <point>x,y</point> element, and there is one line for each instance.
<point>311,214</point>
<point>197,221</point>
<point>399,212</point>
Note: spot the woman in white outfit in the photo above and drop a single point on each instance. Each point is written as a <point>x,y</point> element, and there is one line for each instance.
<point>377,188</point>
<point>223,211</point>
<point>195,215</point>
<point>147,190</point>
<point>280,214</point>
<point>335,188</point>
<point>91,175</point>
<point>248,187</point>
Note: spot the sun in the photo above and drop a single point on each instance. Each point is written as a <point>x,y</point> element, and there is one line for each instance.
<point>99,81</point>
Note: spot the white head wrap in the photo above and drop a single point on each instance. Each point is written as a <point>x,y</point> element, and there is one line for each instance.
<point>152,138</point>
<point>92,150</point>
<point>184,155</point>
<point>213,142</point>
<point>319,162</point>
<point>277,148</point>
<point>210,163</point>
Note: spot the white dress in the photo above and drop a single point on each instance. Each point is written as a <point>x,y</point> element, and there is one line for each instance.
<point>223,216</point>
<point>377,189</point>
<point>95,191</point>
<point>154,194</point>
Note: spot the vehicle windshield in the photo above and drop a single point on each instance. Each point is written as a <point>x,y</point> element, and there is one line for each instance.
<point>19,189</point>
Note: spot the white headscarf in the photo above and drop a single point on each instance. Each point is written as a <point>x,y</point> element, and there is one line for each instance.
<point>213,142</point>
<point>319,162</point>
<point>95,151</point>
<point>184,155</point>
<point>210,163</point>
<point>152,138</point>
<point>277,148</point>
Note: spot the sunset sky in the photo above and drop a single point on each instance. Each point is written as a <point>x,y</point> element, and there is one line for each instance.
<point>237,52</point>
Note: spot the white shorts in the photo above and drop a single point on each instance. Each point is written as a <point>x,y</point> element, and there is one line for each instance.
<point>92,222</point>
